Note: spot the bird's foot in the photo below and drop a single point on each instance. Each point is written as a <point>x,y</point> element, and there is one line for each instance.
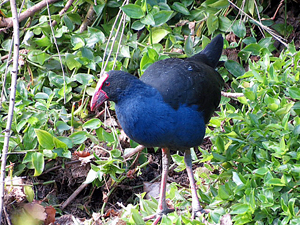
<point>157,216</point>
<point>199,212</point>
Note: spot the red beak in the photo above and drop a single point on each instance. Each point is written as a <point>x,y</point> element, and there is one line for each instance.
<point>99,96</point>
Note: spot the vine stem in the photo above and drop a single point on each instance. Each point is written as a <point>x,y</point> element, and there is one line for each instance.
<point>14,73</point>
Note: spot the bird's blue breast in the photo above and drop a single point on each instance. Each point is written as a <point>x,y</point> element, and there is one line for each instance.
<point>150,121</point>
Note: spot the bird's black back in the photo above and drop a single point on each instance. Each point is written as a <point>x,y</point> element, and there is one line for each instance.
<point>192,81</point>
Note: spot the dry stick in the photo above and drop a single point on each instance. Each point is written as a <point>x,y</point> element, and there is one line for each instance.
<point>63,11</point>
<point>120,41</point>
<point>8,22</point>
<point>78,190</point>
<point>14,73</point>
<point>8,57</point>
<point>88,19</point>
<point>58,52</point>
<point>109,38</point>
<point>7,216</point>
<point>232,95</point>
<point>270,31</point>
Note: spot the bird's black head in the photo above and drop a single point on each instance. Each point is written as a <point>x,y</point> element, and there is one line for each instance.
<point>111,86</point>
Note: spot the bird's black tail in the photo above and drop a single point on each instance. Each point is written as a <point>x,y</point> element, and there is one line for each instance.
<point>212,52</point>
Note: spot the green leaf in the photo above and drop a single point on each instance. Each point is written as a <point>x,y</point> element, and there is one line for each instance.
<point>275,182</point>
<point>148,20</point>
<point>294,92</point>
<point>261,171</point>
<point>99,8</point>
<point>219,4</point>
<point>236,179</point>
<point>29,193</point>
<point>158,35</point>
<point>77,42</point>
<point>71,62</point>
<point>45,139</point>
<point>188,46</point>
<point>179,7</point>
<point>43,42</point>
<point>83,78</point>
<point>240,208</point>
<point>95,36</point>
<point>212,23</point>
<point>224,24</point>
<point>234,68</point>
<point>38,56</point>
<point>220,144</point>
<point>138,25</point>
<point>78,137</point>
<point>223,193</point>
<point>62,126</point>
<point>133,11</point>
<point>239,28</point>
<point>253,48</point>
<point>162,17</point>
<point>68,22</point>
<point>92,124</point>
<point>38,163</point>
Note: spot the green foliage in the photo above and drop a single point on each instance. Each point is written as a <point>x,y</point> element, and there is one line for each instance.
<point>258,144</point>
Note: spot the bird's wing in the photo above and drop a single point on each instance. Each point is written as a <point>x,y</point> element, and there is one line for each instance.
<point>184,82</point>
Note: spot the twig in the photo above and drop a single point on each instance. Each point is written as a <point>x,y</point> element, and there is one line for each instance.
<point>232,95</point>
<point>71,198</point>
<point>137,149</point>
<point>2,98</point>
<point>88,19</point>
<point>267,29</point>
<point>8,22</point>
<point>6,216</point>
<point>113,43</point>
<point>58,167</point>
<point>63,11</point>
<point>58,52</point>
<point>14,73</point>
<point>121,36</point>
<point>275,14</point>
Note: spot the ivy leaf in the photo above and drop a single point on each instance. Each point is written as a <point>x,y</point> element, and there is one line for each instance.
<point>158,35</point>
<point>92,124</point>
<point>45,139</point>
<point>294,92</point>
<point>162,17</point>
<point>239,28</point>
<point>179,7</point>
<point>133,11</point>
<point>234,68</point>
<point>38,163</point>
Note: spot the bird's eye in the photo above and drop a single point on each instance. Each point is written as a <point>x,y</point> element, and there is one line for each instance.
<point>107,83</point>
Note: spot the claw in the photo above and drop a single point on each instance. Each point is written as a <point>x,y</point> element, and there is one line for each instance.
<point>158,216</point>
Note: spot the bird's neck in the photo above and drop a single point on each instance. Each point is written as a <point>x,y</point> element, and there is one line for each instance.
<point>135,90</point>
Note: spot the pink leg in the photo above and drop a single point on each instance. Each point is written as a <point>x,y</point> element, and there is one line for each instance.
<point>197,209</point>
<point>162,205</point>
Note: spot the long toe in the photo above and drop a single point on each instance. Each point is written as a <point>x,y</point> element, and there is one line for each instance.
<point>157,216</point>
<point>200,214</point>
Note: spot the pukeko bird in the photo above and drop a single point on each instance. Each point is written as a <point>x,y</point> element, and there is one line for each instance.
<point>168,107</point>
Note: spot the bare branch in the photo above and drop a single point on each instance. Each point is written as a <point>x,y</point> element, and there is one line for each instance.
<point>14,73</point>
<point>88,19</point>
<point>58,52</point>
<point>63,11</point>
<point>269,30</point>
<point>8,22</point>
